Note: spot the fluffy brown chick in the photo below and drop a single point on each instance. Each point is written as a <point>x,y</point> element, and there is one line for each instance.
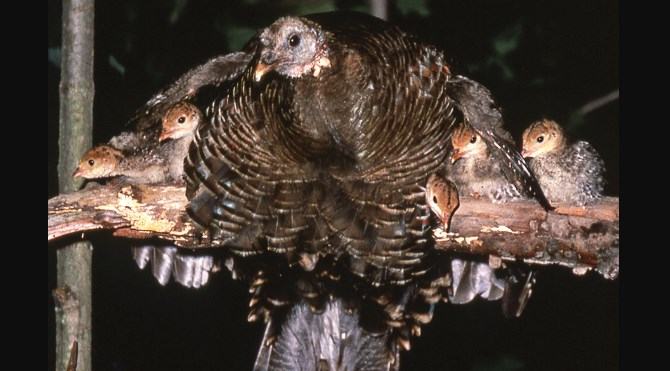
<point>442,197</point>
<point>105,161</point>
<point>179,121</point>
<point>474,171</point>
<point>571,173</point>
<point>178,126</point>
<point>99,162</point>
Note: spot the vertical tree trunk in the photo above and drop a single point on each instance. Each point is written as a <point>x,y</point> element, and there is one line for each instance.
<point>73,296</point>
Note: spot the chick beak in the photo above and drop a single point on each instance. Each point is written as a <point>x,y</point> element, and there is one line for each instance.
<point>77,172</point>
<point>261,70</point>
<point>456,155</point>
<point>524,153</point>
<point>446,220</point>
<point>164,136</point>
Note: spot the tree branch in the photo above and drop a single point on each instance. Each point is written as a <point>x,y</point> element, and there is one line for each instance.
<point>574,237</point>
<point>598,102</point>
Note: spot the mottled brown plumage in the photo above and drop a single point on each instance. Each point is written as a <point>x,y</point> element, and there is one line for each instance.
<point>325,143</point>
<point>147,121</point>
<point>180,121</point>
<point>105,161</point>
<point>178,125</point>
<point>572,173</point>
<point>483,115</point>
<point>330,316</point>
<point>99,162</point>
<point>147,163</point>
<point>334,162</point>
<point>318,154</point>
<point>474,169</point>
<point>216,72</point>
<point>442,197</point>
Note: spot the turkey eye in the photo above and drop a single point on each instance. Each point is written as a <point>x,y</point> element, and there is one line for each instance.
<point>540,139</point>
<point>435,199</point>
<point>181,119</point>
<point>91,162</point>
<point>294,41</point>
<point>473,140</point>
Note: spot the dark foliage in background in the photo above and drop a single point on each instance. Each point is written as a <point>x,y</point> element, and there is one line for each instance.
<point>539,58</point>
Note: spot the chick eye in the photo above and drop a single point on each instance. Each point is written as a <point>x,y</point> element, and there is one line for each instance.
<point>181,119</point>
<point>294,41</point>
<point>435,199</point>
<point>473,140</point>
<point>540,139</point>
<point>91,162</point>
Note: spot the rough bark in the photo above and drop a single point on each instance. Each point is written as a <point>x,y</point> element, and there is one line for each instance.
<point>575,237</point>
<point>76,123</point>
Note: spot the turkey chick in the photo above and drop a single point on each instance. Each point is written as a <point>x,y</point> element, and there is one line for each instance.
<point>571,173</point>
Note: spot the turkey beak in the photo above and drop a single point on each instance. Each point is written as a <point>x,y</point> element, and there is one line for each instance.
<point>456,155</point>
<point>261,70</point>
<point>265,64</point>
<point>164,135</point>
<point>77,172</point>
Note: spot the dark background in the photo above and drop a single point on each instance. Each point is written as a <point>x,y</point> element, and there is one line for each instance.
<point>539,58</point>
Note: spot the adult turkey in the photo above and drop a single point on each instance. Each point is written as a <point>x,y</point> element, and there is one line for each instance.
<point>323,145</point>
<point>316,146</point>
